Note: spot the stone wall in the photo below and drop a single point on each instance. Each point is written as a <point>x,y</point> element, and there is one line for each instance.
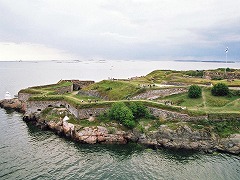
<point>64,89</point>
<point>38,106</point>
<point>24,96</point>
<point>90,112</point>
<point>77,84</point>
<point>170,115</point>
<point>218,74</point>
<point>154,94</point>
<point>93,93</point>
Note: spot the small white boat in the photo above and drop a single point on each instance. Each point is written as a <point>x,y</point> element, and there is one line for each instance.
<point>8,95</point>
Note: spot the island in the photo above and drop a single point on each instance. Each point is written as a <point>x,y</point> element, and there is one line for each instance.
<point>192,110</point>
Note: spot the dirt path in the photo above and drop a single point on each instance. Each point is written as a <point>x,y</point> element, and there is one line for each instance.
<point>204,100</point>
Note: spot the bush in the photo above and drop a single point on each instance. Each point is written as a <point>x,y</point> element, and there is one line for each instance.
<point>194,91</point>
<point>120,112</point>
<point>220,89</point>
<point>139,110</point>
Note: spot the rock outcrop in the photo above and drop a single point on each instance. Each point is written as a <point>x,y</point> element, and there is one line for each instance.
<point>12,104</point>
<point>183,137</point>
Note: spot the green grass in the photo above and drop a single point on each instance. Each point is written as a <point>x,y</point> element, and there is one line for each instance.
<point>184,100</point>
<point>85,98</point>
<point>58,85</point>
<point>32,91</point>
<point>222,128</point>
<point>45,89</point>
<point>114,90</point>
<point>47,98</point>
<point>217,101</point>
<point>84,122</point>
<point>212,103</point>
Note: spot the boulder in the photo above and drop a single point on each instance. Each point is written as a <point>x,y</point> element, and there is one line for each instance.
<point>230,144</point>
<point>12,104</point>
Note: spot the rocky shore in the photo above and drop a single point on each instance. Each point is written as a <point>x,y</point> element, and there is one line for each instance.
<point>12,104</point>
<point>183,137</point>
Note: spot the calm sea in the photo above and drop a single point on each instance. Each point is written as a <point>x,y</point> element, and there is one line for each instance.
<point>29,153</point>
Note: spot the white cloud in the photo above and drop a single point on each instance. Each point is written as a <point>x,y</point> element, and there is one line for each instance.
<point>91,28</point>
<point>26,51</point>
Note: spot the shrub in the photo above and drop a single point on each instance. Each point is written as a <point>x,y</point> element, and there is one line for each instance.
<point>139,110</point>
<point>220,89</point>
<point>194,91</point>
<point>120,112</point>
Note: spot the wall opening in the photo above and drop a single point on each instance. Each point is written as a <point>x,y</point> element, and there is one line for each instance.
<point>50,105</point>
<point>90,115</point>
<point>39,110</point>
<point>61,105</point>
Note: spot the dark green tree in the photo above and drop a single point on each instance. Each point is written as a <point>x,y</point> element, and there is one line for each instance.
<point>220,89</point>
<point>120,112</point>
<point>194,91</point>
<point>139,110</point>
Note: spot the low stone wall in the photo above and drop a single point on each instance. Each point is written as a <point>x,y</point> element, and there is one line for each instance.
<point>169,115</point>
<point>154,94</point>
<point>228,75</point>
<point>24,96</point>
<point>64,89</point>
<point>77,84</point>
<point>90,112</point>
<point>38,106</point>
<point>93,93</point>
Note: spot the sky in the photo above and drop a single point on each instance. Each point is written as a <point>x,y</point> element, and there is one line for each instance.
<point>119,29</point>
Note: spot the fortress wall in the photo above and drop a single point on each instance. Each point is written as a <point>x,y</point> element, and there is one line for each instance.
<point>38,106</point>
<point>24,96</point>
<point>153,94</point>
<point>169,115</point>
<point>94,112</point>
<point>65,89</point>
<point>77,84</point>
<point>72,109</point>
<point>228,75</point>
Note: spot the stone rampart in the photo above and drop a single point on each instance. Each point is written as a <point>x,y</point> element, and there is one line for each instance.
<point>38,106</point>
<point>24,96</point>
<point>170,115</point>
<point>221,74</point>
<point>154,94</point>
<point>93,93</point>
<point>77,84</point>
<point>64,89</point>
<point>90,112</point>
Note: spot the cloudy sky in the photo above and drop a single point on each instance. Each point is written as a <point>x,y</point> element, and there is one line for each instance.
<point>119,29</point>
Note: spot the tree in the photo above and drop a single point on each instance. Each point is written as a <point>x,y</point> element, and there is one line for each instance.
<point>194,91</point>
<point>139,110</point>
<point>220,89</point>
<point>120,112</point>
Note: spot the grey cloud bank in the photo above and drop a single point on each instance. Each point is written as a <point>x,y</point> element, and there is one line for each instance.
<point>126,29</point>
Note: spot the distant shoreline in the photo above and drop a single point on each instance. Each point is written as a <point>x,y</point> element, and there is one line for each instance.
<point>211,61</point>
